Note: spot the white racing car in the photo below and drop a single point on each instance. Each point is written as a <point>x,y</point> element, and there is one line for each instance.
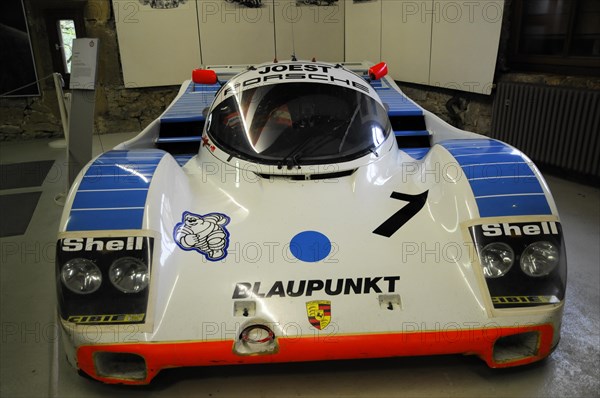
<point>305,211</point>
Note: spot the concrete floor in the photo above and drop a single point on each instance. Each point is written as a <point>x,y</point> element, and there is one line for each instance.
<point>32,363</point>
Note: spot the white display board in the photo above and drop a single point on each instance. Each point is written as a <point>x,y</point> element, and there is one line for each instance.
<point>450,44</point>
<point>312,30</point>
<point>158,46</point>
<point>406,39</point>
<point>464,44</point>
<point>363,30</point>
<point>84,64</point>
<point>232,33</point>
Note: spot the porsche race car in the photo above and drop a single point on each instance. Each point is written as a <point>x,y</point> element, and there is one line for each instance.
<point>305,211</point>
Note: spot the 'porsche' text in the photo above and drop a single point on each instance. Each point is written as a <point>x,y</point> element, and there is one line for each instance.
<point>283,72</point>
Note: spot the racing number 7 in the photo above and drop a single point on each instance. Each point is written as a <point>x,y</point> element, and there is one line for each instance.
<point>401,217</point>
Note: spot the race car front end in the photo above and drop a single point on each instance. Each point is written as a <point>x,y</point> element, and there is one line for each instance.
<point>294,236</point>
<point>412,276</point>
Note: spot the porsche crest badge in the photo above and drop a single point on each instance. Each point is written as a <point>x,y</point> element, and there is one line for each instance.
<point>319,313</point>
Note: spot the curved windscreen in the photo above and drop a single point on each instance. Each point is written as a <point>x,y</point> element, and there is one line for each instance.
<point>298,123</point>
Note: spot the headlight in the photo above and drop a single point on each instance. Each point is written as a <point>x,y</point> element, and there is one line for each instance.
<point>81,276</point>
<point>539,259</point>
<point>129,275</point>
<point>496,259</point>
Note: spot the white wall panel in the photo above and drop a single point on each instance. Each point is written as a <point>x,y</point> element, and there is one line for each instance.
<point>443,43</point>
<point>231,33</point>
<point>158,47</point>
<point>363,30</point>
<point>406,39</point>
<point>318,30</point>
<point>466,35</point>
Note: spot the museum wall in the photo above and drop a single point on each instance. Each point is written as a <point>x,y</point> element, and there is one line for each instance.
<point>123,107</point>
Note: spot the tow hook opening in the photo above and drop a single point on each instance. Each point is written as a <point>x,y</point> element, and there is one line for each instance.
<point>516,347</point>
<point>256,339</point>
<point>257,334</point>
<point>118,365</point>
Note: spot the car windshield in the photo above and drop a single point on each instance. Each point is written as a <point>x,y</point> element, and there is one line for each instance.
<point>299,123</point>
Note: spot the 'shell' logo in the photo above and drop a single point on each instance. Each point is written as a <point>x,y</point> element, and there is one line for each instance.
<point>319,313</point>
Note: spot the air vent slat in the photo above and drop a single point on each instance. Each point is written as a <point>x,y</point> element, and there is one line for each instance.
<point>309,177</point>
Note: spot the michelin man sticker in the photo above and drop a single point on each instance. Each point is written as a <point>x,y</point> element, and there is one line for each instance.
<point>205,234</point>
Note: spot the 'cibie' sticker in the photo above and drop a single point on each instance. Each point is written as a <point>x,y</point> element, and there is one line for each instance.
<point>205,234</point>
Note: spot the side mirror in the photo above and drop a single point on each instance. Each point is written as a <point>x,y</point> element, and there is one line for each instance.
<point>204,76</point>
<point>378,71</point>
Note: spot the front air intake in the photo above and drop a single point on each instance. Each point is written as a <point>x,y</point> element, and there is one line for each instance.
<point>308,177</point>
<point>117,365</point>
<point>516,347</point>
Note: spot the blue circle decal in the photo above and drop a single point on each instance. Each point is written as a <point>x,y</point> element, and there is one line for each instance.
<point>310,246</point>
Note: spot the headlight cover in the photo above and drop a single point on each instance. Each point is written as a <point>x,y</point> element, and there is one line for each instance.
<point>129,275</point>
<point>518,288</point>
<point>539,259</point>
<point>496,259</point>
<point>81,276</point>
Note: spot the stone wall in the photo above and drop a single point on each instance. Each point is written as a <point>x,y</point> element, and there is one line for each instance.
<point>28,118</point>
<point>117,109</point>
<point>552,80</point>
<point>467,111</point>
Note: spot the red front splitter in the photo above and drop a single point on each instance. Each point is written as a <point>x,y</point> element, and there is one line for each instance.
<point>478,342</point>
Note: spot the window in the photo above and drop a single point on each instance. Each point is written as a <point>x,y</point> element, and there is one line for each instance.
<point>559,36</point>
<point>63,26</point>
<point>67,34</point>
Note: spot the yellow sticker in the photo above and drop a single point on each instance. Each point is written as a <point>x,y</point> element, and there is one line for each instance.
<point>516,300</point>
<point>117,318</point>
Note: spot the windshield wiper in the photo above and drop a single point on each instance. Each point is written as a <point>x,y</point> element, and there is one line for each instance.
<point>373,150</point>
<point>318,141</point>
<point>293,158</point>
<point>290,160</point>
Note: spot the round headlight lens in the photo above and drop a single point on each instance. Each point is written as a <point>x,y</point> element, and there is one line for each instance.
<point>496,259</point>
<point>81,276</point>
<point>539,259</point>
<point>129,275</point>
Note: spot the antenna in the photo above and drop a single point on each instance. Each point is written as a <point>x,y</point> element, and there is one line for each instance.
<point>293,44</point>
